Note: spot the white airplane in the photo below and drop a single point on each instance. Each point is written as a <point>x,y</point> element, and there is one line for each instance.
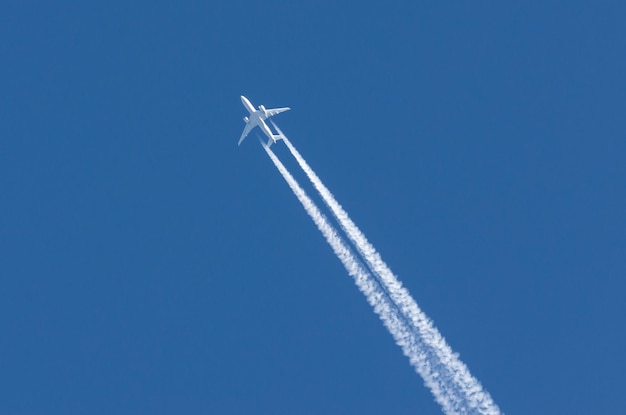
<point>258,117</point>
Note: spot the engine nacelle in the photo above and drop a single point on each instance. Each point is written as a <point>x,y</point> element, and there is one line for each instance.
<point>262,108</point>
<point>245,119</point>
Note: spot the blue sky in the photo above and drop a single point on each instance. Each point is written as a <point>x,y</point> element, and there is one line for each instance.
<point>150,266</point>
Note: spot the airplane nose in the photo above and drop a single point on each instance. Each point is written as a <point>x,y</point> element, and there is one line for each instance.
<point>247,104</point>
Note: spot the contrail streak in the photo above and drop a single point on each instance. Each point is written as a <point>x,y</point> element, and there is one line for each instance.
<point>388,312</point>
<point>453,375</point>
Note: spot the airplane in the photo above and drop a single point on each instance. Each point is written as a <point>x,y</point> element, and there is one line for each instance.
<point>258,117</point>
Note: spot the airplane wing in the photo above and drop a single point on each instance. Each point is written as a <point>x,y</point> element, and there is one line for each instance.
<point>246,130</point>
<point>273,111</point>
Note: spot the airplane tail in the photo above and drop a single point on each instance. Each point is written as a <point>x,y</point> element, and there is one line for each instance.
<point>275,137</point>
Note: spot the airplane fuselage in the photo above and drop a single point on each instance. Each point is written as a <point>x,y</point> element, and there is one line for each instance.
<point>257,117</point>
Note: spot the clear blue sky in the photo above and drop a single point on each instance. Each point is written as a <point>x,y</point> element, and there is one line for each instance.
<point>150,266</point>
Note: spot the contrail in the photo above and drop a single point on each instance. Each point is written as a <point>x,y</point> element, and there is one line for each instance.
<point>412,346</point>
<point>454,375</point>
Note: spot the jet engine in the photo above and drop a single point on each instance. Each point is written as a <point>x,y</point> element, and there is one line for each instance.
<point>245,119</point>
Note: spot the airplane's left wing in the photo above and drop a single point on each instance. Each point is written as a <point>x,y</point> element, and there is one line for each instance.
<point>246,130</point>
<point>273,111</point>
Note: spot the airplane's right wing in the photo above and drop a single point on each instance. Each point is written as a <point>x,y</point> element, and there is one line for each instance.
<point>273,111</point>
<point>246,130</point>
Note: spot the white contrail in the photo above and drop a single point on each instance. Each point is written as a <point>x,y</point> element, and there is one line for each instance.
<point>453,373</point>
<point>411,345</point>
